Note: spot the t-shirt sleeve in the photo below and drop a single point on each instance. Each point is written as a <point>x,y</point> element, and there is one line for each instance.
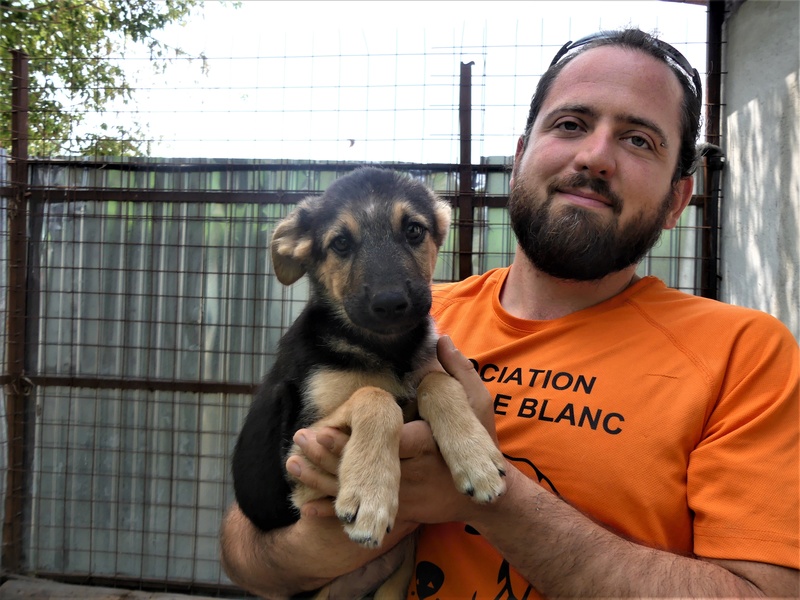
<point>743,475</point>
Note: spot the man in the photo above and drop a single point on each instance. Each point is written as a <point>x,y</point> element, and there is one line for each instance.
<point>651,436</point>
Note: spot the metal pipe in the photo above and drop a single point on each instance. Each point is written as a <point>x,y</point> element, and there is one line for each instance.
<point>18,389</point>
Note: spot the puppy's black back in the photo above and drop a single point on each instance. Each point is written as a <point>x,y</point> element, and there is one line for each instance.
<point>260,483</point>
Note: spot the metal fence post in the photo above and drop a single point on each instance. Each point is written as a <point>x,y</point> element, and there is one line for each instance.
<point>715,159</point>
<point>466,193</point>
<point>18,390</point>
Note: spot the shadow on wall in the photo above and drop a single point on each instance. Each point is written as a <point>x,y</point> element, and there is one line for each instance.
<point>760,252</point>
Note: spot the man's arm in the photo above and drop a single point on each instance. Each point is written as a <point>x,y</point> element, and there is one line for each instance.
<point>277,564</point>
<point>313,552</point>
<point>560,551</point>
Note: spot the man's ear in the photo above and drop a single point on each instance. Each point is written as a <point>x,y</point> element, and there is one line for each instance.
<point>442,214</point>
<point>517,158</point>
<point>681,196</point>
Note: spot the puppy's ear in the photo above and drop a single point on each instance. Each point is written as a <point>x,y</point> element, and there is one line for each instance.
<point>292,243</point>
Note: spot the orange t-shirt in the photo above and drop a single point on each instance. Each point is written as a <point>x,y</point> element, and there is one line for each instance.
<point>670,418</point>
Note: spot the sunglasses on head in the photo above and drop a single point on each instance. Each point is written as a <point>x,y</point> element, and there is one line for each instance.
<point>676,57</point>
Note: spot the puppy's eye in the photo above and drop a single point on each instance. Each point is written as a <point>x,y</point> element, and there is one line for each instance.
<point>415,232</point>
<point>341,244</point>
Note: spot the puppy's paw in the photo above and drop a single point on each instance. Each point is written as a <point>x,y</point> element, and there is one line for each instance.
<point>478,469</point>
<point>484,482</point>
<point>367,512</point>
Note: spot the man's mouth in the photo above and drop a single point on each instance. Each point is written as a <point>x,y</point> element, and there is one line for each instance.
<point>585,197</point>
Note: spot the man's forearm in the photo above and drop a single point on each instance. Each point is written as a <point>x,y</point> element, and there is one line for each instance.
<point>562,553</point>
<point>302,557</point>
<point>285,561</point>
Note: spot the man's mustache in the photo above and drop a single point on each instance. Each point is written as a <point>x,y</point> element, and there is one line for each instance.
<point>598,186</point>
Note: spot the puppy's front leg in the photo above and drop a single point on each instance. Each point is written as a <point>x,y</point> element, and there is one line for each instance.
<point>369,472</point>
<point>475,462</point>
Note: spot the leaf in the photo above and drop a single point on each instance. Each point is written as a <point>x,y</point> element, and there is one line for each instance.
<point>76,50</point>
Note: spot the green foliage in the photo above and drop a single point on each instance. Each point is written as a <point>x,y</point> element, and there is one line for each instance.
<point>76,69</point>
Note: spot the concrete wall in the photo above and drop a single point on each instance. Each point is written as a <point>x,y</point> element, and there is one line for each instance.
<point>760,220</point>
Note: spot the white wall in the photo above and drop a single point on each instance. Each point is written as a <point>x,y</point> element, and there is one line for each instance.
<point>760,220</point>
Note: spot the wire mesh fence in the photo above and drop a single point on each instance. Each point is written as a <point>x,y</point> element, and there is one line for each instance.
<point>149,305</point>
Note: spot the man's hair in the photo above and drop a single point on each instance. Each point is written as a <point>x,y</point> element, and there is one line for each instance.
<point>634,39</point>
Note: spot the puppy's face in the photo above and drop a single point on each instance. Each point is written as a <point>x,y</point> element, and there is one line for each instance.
<point>369,246</point>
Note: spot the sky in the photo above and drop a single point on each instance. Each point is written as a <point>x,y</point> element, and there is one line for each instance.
<point>370,81</point>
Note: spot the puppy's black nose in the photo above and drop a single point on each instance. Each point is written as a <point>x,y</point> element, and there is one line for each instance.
<point>389,304</point>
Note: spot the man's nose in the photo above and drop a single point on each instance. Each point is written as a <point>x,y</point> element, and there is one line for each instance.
<point>596,154</point>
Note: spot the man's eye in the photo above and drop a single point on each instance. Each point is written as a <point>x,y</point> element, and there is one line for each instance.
<point>341,244</point>
<point>568,126</point>
<point>415,232</point>
<point>639,141</point>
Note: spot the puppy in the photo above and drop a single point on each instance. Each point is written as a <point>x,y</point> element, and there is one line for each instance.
<point>359,358</point>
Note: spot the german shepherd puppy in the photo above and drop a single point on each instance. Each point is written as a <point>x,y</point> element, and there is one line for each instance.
<point>360,357</point>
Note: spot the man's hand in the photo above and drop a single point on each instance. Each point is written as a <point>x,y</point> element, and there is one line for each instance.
<point>458,366</point>
<point>427,493</point>
<point>319,464</point>
<point>322,450</point>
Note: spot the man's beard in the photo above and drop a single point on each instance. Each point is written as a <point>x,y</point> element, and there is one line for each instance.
<point>570,242</point>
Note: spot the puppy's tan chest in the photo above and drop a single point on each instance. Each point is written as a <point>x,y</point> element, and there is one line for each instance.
<point>327,389</point>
